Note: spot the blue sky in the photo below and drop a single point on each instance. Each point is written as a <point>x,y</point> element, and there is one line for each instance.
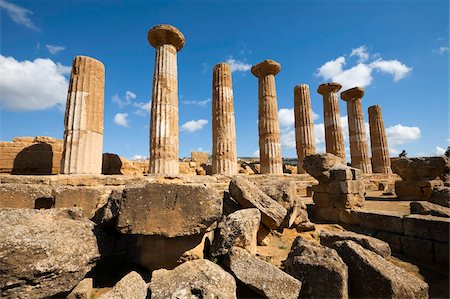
<point>398,50</point>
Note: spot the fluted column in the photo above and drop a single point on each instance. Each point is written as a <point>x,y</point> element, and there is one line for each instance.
<point>334,139</point>
<point>268,126</point>
<point>167,40</point>
<point>224,156</point>
<point>83,121</point>
<point>381,161</point>
<point>359,150</point>
<point>304,125</point>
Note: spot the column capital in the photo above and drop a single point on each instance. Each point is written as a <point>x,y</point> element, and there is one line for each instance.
<point>352,93</point>
<point>165,34</point>
<point>327,88</point>
<point>300,86</point>
<point>224,65</point>
<point>374,109</point>
<point>266,67</point>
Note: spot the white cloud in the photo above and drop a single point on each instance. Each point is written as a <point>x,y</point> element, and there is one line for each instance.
<point>32,85</point>
<point>361,52</point>
<point>392,67</point>
<point>288,139</point>
<point>238,66</point>
<point>138,158</point>
<point>18,14</point>
<point>55,49</point>
<point>438,151</point>
<point>121,119</point>
<point>362,73</point>
<point>286,117</point>
<point>129,96</point>
<point>255,153</point>
<point>143,109</point>
<point>194,125</point>
<point>400,134</point>
<point>441,50</point>
<point>197,102</point>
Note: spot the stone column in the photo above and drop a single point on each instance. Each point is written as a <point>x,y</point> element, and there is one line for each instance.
<point>304,125</point>
<point>268,126</point>
<point>334,139</point>
<point>359,150</point>
<point>224,156</point>
<point>167,40</point>
<point>381,161</point>
<point>83,120</point>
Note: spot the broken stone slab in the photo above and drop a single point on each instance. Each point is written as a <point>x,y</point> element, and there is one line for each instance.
<point>427,227</point>
<point>44,252</point>
<point>327,238</point>
<point>371,276</point>
<point>428,208</point>
<point>249,196</point>
<point>83,290</point>
<point>379,220</point>
<point>169,210</point>
<point>263,235</point>
<point>87,198</point>
<point>237,229</point>
<point>419,169</point>
<point>440,196</point>
<point>260,276</point>
<point>194,279</point>
<point>130,286</point>
<point>319,165</point>
<point>321,271</point>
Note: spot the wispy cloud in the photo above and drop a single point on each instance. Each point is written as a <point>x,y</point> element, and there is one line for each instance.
<point>121,119</point>
<point>237,65</point>
<point>19,14</point>
<point>197,102</point>
<point>441,50</point>
<point>194,125</point>
<point>55,49</point>
<point>361,74</point>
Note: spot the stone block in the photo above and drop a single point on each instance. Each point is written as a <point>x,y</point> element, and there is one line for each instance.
<point>441,254</point>
<point>393,239</point>
<point>341,174</point>
<point>380,220</point>
<point>440,196</point>
<point>130,286</point>
<point>89,199</point>
<point>419,169</point>
<point>170,210</point>
<point>428,208</point>
<point>249,196</point>
<point>322,200</point>
<point>347,201</point>
<point>200,157</point>
<point>417,249</point>
<point>348,187</point>
<point>427,227</point>
<point>83,290</point>
<point>25,196</point>
<point>260,276</point>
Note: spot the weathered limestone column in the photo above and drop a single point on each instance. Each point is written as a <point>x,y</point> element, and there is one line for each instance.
<point>304,125</point>
<point>359,150</point>
<point>83,120</point>
<point>334,139</point>
<point>224,156</point>
<point>167,40</point>
<point>268,126</point>
<point>381,161</point>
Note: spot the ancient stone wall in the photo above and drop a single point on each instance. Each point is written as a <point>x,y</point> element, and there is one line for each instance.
<point>31,155</point>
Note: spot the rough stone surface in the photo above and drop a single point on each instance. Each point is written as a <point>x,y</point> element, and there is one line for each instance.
<point>268,125</point>
<point>440,196</point>
<point>194,279</point>
<point>250,196</point>
<point>428,208</point>
<point>319,165</point>
<point>371,276</point>
<point>167,40</point>
<point>321,271</point>
<point>304,125</point>
<point>25,196</point>
<point>416,190</point>
<point>419,169</point>
<point>169,210</point>
<point>44,252</point>
<point>130,286</point>
<point>334,139</point>
<point>427,227</point>
<point>381,161</point>
<point>224,153</point>
<point>359,149</point>
<point>380,220</point>
<point>83,120</point>
<point>327,238</point>
<point>237,229</point>
<point>83,290</point>
<point>262,277</point>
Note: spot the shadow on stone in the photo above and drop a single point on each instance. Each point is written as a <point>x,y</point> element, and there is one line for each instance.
<point>44,203</point>
<point>36,159</point>
<point>111,164</point>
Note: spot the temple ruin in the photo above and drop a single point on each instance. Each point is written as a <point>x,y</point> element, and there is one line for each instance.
<point>79,223</point>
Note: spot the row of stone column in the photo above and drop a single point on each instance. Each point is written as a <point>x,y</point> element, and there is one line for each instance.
<point>83,136</point>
